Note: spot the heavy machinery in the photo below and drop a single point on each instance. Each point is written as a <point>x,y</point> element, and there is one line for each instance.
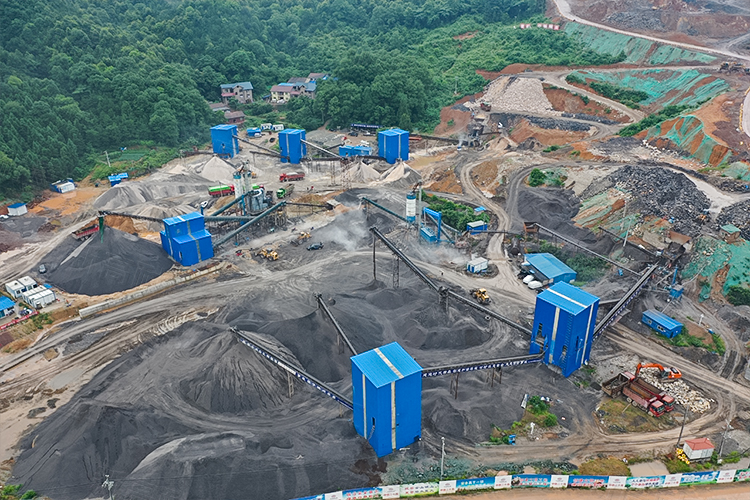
<point>304,236</point>
<point>671,373</point>
<point>481,295</point>
<point>731,67</point>
<point>291,176</point>
<point>222,190</point>
<point>626,384</point>
<point>268,253</point>
<point>485,106</point>
<point>86,232</point>
<point>285,191</point>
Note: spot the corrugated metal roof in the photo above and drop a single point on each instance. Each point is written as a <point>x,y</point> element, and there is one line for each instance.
<point>5,303</point>
<point>662,319</point>
<point>562,300</point>
<point>549,265</point>
<point>730,228</point>
<point>17,205</point>
<point>699,444</point>
<point>386,364</point>
<point>196,235</point>
<point>575,293</point>
<point>244,85</point>
<point>14,285</point>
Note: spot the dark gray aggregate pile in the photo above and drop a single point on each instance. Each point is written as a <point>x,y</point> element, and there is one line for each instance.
<point>590,118</point>
<point>512,119</point>
<point>121,262</point>
<point>657,191</point>
<point>738,215</point>
<point>553,208</point>
<point>196,414</point>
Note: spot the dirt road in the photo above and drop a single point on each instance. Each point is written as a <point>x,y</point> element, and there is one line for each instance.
<point>711,492</point>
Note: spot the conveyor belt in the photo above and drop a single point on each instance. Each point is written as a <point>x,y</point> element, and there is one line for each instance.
<point>132,216</point>
<point>336,325</point>
<point>488,312</point>
<point>297,372</point>
<point>249,223</point>
<point>481,365</point>
<point>421,275</point>
<point>620,306</point>
<point>367,200</point>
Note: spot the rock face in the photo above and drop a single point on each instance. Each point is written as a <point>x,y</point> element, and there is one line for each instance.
<point>739,215</point>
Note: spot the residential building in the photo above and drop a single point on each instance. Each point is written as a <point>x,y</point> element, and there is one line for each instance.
<point>234,117</point>
<point>313,77</point>
<point>242,92</point>
<point>218,106</point>
<point>282,92</point>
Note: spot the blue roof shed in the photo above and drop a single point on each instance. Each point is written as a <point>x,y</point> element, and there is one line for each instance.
<point>387,396</point>
<point>547,267</point>
<point>6,306</point>
<point>661,323</point>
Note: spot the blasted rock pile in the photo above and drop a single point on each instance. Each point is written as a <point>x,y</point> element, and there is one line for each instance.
<point>680,391</point>
<point>517,94</point>
<point>739,215</point>
<point>660,192</point>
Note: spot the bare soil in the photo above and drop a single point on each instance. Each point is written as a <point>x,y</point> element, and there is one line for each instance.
<point>547,136</point>
<point>563,100</point>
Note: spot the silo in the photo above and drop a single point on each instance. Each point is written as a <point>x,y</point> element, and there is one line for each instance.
<point>239,185</point>
<point>411,207</point>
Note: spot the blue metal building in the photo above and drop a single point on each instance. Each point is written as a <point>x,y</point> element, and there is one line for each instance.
<point>661,323</point>
<point>290,142</point>
<point>476,227</point>
<point>254,132</point>
<point>393,145</point>
<point>223,139</point>
<point>564,321</point>
<point>355,151</point>
<point>387,396</point>
<point>186,239</point>
<point>6,306</point>
<point>548,269</point>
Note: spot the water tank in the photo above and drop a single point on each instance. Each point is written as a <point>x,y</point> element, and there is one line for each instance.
<point>411,207</point>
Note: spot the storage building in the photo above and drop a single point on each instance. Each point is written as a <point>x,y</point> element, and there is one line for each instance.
<point>254,132</point>
<point>7,306</point>
<point>698,449</point>
<point>355,151</point>
<point>39,298</point>
<point>476,227</point>
<point>186,239</point>
<point>662,323</point>
<point>17,209</point>
<point>477,265</point>
<point>63,186</point>
<point>224,140</point>
<point>564,321</point>
<point>14,288</point>
<point>387,396</point>
<point>548,269</point>
<point>292,147</point>
<point>393,145</point>
<point>730,233</point>
<point>28,283</point>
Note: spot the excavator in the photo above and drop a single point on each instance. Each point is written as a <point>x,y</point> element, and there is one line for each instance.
<point>268,253</point>
<point>669,373</point>
<point>481,295</point>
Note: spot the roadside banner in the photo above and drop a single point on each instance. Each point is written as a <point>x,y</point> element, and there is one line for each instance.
<point>558,481</point>
<point>314,497</point>
<point>671,480</point>
<point>699,477</point>
<point>336,495</point>
<point>481,483</point>
<point>502,482</point>
<point>616,482</point>
<point>530,481</point>
<point>418,489</point>
<point>391,491</point>
<point>447,487</point>
<point>360,493</point>
<point>587,481</point>
<point>645,482</point>
<point>726,476</point>
<point>742,475</point>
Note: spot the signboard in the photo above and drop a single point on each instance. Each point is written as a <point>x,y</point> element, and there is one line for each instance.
<point>361,493</point>
<point>645,482</point>
<point>336,495</point>
<point>616,482</point>
<point>418,489</point>
<point>447,487</point>
<point>502,482</point>
<point>699,477</point>
<point>671,480</point>
<point>481,483</point>
<point>742,475</point>
<point>390,491</point>
<point>556,481</point>
<point>587,481</point>
<point>726,476</point>
<point>531,481</point>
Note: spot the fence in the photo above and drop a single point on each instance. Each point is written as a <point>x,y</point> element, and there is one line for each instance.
<point>537,481</point>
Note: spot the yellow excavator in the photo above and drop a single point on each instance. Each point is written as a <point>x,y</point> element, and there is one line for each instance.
<point>481,295</point>
<point>268,253</point>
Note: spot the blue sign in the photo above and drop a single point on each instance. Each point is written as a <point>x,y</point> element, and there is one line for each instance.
<point>587,481</point>
<point>480,483</point>
<point>531,481</point>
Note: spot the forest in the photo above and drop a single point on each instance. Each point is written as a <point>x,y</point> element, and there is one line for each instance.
<point>78,77</point>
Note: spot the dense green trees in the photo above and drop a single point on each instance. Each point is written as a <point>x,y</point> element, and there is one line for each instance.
<point>81,76</point>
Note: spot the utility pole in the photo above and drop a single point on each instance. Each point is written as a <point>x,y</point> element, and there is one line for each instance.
<point>107,155</point>
<point>723,437</point>
<point>442,457</point>
<point>685,411</point>
<point>108,484</point>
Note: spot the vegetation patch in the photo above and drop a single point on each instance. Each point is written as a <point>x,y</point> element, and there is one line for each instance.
<point>685,339</point>
<point>604,467</point>
<point>630,98</point>
<point>654,119</point>
<point>454,214</point>
<point>619,417</point>
<point>587,267</point>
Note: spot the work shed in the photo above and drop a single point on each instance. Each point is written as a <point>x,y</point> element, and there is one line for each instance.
<point>698,449</point>
<point>7,306</point>
<point>477,265</point>
<point>387,397</point>
<point>548,269</point>
<point>17,209</point>
<point>662,323</point>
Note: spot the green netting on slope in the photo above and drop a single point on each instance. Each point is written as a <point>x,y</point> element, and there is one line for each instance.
<point>666,54</point>
<point>686,87</point>
<point>710,255</point>
<point>684,132</point>
<point>738,170</point>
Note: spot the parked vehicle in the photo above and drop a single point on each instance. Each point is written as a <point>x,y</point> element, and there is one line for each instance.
<point>86,232</point>
<point>315,246</point>
<point>628,385</point>
<point>42,269</point>
<point>222,190</point>
<point>642,399</point>
<point>292,176</point>
<point>285,192</point>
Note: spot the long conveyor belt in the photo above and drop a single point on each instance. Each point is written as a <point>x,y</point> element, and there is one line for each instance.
<point>624,301</point>
<point>481,365</point>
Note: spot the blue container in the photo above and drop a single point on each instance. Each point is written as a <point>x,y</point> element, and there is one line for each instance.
<point>428,235</point>
<point>387,396</point>
<point>354,151</point>
<point>393,145</point>
<point>662,323</point>
<point>290,142</point>
<point>254,132</point>
<point>564,321</point>
<point>223,139</point>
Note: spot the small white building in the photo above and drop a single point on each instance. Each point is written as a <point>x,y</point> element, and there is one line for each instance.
<point>40,298</point>
<point>698,449</point>
<point>14,288</point>
<point>278,128</point>
<point>28,283</point>
<point>17,209</point>
<point>477,265</point>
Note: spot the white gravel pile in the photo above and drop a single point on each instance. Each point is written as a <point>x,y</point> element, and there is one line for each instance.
<point>521,95</point>
<point>680,391</point>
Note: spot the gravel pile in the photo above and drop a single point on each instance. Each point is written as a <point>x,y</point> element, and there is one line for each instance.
<point>517,94</point>
<point>120,262</point>
<point>640,19</point>
<point>657,191</point>
<point>737,214</point>
<point>680,391</point>
<point>553,208</point>
<point>155,188</point>
<point>590,118</point>
<point>512,119</point>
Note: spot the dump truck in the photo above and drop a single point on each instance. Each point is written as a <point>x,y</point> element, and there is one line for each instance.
<point>222,190</point>
<point>86,232</point>
<point>285,191</point>
<point>481,295</point>
<point>292,176</point>
<point>268,253</point>
<point>654,391</point>
<point>624,384</point>
<point>485,106</point>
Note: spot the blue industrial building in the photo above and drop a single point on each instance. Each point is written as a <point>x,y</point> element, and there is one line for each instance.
<point>564,322</point>
<point>117,178</point>
<point>476,227</point>
<point>224,140</point>
<point>393,145</point>
<point>290,142</point>
<point>186,239</point>
<point>387,397</point>
<point>355,151</point>
<point>548,269</point>
<point>7,306</point>
<point>254,132</point>
<point>662,323</point>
